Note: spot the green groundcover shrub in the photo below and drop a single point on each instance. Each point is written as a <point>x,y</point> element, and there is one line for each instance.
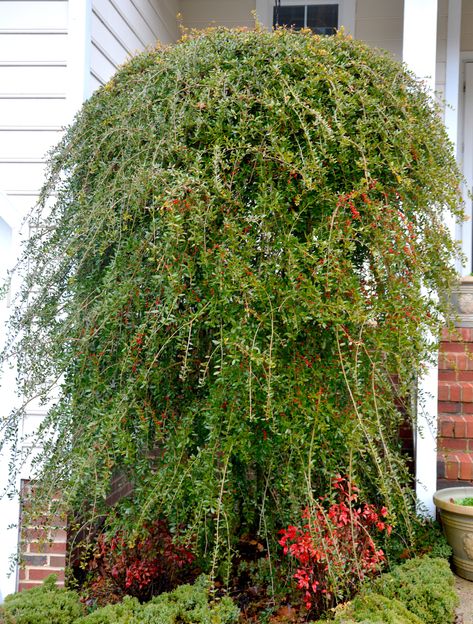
<point>377,609</point>
<point>425,586</point>
<point>419,590</point>
<point>47,604</point>
<point>188,604</point>
<point>243,260</point>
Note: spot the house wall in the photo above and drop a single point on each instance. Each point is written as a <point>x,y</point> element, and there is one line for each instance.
<point>466,41</point>
<point>380,23</point>
<point>33,59</point>
<point>440,71</point>
<point>121,28</point>
<point>34,50</point>
<point>217,12</point>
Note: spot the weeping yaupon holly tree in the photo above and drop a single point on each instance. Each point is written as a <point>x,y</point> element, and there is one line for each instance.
<point>235,271</point>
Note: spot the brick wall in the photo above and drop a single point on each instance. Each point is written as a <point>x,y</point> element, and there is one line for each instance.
<point>455,408</point>
<point>42,550</point>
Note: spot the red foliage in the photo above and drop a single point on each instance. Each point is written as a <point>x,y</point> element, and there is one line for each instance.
<point>334,549</point>
<point>153,564</point>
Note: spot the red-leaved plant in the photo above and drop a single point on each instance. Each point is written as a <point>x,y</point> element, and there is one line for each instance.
<point>152,564</point>
<point>335,549</point>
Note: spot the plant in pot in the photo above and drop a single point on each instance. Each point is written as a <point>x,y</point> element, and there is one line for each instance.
<point>456,512</point>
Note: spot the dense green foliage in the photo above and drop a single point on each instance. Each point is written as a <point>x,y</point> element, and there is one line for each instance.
<point>377,609</point>
<point>420,590</point>
<point>428,539</point>
<point>425,586</point>
<point>467,501</point>
<point>242,262</point>
<point>47,604</point>
<point>188,604</point>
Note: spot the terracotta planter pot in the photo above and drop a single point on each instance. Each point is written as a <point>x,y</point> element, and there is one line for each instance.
<point>457,522</point>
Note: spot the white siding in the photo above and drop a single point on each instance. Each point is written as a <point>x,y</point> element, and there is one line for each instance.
<point>467,26</point>
<point>440,72</point>
<point>33,57</point>
<point>379,23</point>
<point>34,54</point>
<point>228,13</point>
<point>121,28</point>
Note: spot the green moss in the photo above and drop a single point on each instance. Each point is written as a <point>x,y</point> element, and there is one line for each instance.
<point>47,604</point>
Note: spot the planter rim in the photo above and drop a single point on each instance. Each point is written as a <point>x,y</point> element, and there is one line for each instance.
<point>442,500</point>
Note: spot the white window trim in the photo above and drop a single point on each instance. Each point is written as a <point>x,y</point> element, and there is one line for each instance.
<point>346,11</point>
<point>464,232</point>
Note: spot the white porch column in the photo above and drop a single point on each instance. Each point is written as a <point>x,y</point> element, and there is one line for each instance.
<point>452,94</point>
<point>9,245</point>
<point>419,53</point>
<point>78,64</point>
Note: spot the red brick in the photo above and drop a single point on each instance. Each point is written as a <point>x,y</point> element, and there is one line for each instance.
<point>466,333</point>
<point>57,562</point>
<point>58,535</point>
<point>444,392</point>
<point>58,523</point>
<point>467,408</point>
<point>466,467</point>
<point>35,534</point>
<point>450,407</point>
<point>443,361</point>
<point>451,468</point>
<point>457,444</point>
<point>452,336</point>
<point>452,347</point>
<point>467,392</point>
<point>469,427</point>
<point>40,574</point>
<point>447,376</point>
<point>47,547</point>
<point>459,427</point>
<point>456,390</point>
<point>446,428</point>
<point>464,375</point>
<point>22,574</point>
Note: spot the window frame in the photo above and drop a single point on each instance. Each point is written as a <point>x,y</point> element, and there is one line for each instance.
<point>346,11</point>
<point>308,3</point>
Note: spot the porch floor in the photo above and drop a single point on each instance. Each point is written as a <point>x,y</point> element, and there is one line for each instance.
<point>465,610</point>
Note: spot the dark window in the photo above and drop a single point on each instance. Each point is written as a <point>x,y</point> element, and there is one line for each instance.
<point>322,19</point>
<point>290,16</point>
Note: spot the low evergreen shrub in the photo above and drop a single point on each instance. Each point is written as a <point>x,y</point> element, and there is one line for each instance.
<point>188,604</point>
<point>425,586</point>
<point>378,609</point>
<point>418,591</point>
<point>47,604</point>
<point>119,613</point>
